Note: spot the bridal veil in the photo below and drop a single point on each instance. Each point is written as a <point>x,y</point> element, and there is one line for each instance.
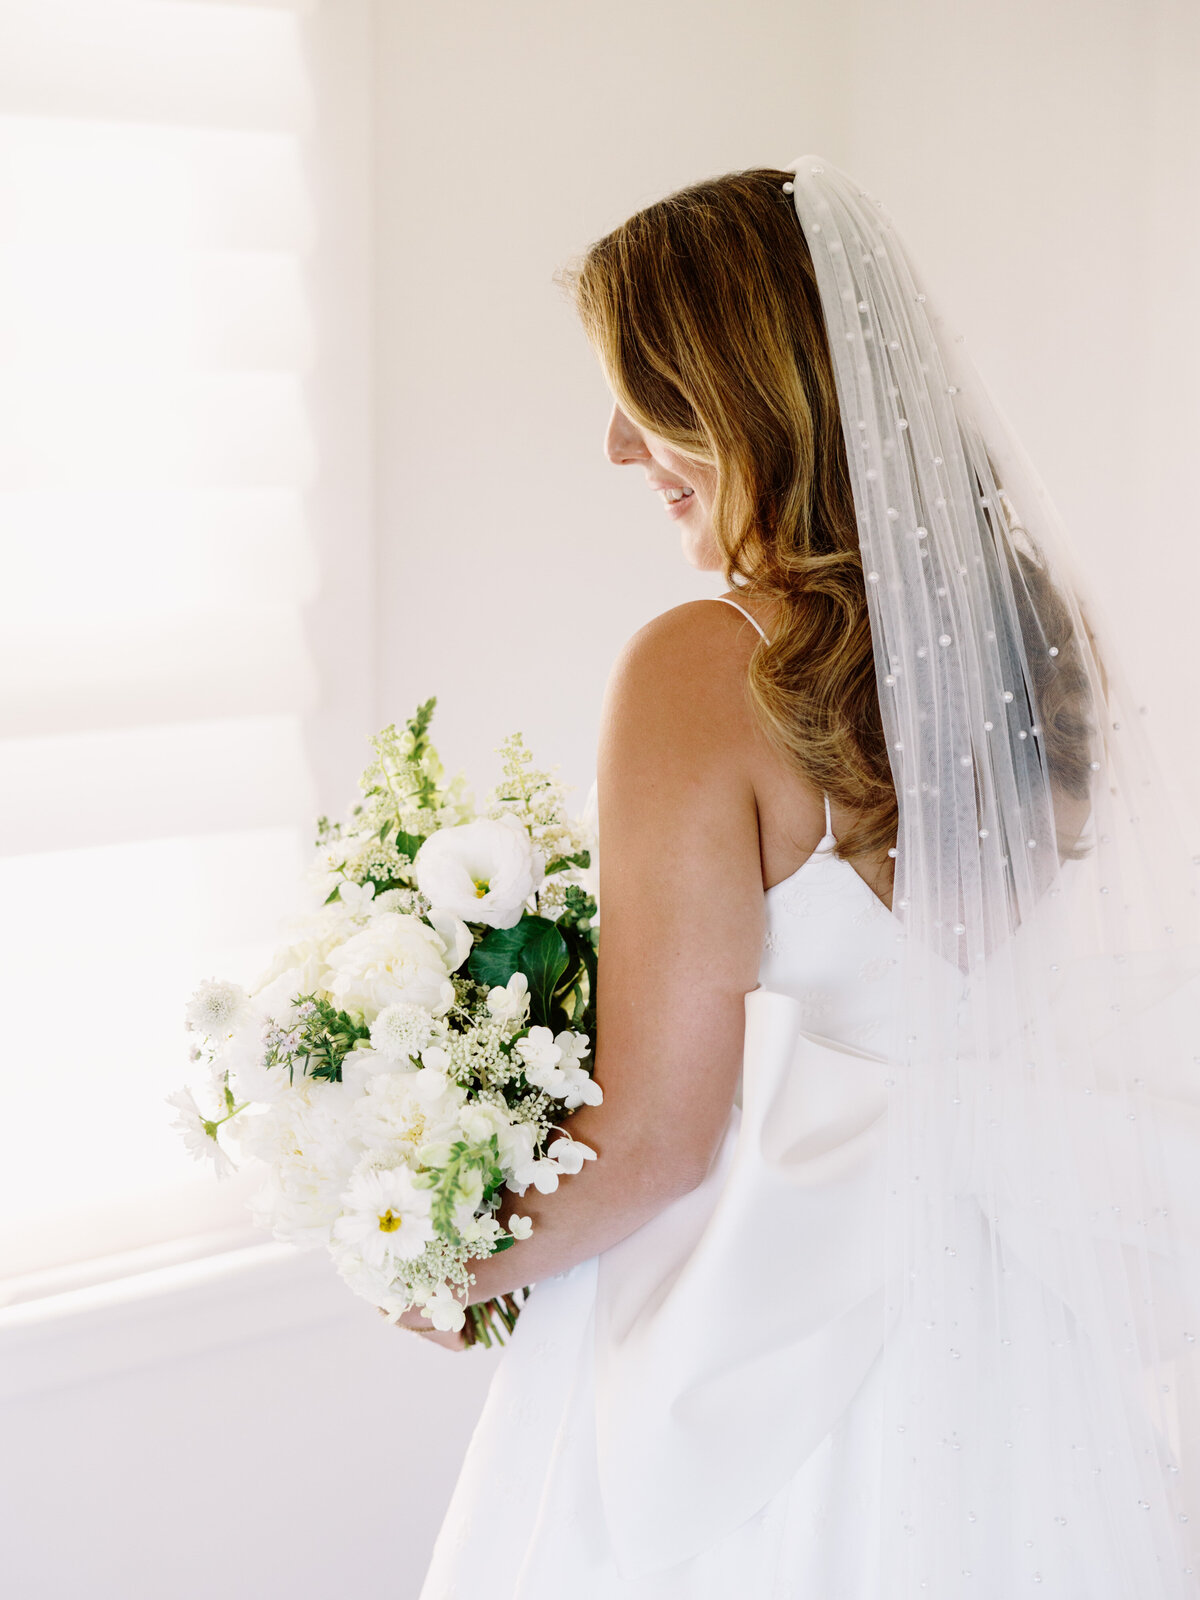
<point>1042,1213</point>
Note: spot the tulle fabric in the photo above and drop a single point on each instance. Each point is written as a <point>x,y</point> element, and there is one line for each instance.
<point>1038,1390</point>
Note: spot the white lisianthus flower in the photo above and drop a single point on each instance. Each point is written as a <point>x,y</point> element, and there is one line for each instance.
<point>520,1227</point>
<point>386,1217</point>
<point>442,1308</point>
<point>569,1155</point>
<point>541,1056</point>
<point>395,958</point>
<point>507,1003</point>
<point>194,1126</point>
<point>483,871</point>
<point>216,1008</point>
<point>401,1030</point>
<point>454,934</point>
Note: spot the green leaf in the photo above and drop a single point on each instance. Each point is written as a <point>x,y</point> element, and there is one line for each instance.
<point>334,894</point>
<point>503,1244</point>
<point>408,843</point>
<point>533,946</point>
<point>582,859</point>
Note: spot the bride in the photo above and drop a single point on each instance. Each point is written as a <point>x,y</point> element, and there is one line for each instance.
<point>885,1283</point>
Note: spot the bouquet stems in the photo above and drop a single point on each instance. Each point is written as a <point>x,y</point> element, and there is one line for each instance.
<point>491,1321</point>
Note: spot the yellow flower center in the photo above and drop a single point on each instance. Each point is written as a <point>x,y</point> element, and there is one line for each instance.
<point>482,885</point>
<point>389,1221</point>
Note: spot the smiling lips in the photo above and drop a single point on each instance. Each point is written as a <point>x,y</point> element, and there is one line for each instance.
<point>675,498</point>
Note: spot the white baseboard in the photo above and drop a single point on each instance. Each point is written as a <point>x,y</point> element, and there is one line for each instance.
<point>90,1333</point>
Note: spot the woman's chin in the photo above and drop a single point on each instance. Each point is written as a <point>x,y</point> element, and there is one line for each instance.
<point>700,550</point>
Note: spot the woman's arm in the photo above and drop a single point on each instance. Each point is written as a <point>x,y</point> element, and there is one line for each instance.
<point>681,936</point>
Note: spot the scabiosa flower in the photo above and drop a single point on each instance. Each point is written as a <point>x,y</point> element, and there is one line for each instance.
<point>401,1030</point>
<point>216,1008</point>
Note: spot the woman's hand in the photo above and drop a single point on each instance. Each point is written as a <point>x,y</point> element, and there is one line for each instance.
<point>416,1322</point>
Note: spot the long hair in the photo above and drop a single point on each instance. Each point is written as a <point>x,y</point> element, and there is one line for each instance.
<point>705,314</point>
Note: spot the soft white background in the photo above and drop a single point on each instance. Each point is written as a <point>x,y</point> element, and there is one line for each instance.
<point>266,1435</point>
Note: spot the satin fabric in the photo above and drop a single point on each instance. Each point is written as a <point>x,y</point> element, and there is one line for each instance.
<point>679,1416</point>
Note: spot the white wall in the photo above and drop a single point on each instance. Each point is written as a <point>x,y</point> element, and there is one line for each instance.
<point>1044,163</point>
<point>515,560</point>
<point>271,1436</point>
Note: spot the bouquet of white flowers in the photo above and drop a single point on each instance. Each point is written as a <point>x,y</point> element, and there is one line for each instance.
<point>417,1043</point>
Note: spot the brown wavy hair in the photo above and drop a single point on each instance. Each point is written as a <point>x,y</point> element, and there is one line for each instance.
<point>705,314</point>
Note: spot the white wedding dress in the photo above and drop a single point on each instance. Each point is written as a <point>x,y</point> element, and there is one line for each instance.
<point>682,1417</point>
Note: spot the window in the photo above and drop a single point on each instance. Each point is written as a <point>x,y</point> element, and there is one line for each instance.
<point>181,377</point>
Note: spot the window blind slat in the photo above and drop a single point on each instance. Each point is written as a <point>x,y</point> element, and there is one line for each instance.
<point>113,672</point>
<point>148,783</point>
<point>135,60</point>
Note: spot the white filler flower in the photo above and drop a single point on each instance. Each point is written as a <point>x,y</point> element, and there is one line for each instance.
<point>483,871</point>
<point>386,1217</point>
<point>395,958</point>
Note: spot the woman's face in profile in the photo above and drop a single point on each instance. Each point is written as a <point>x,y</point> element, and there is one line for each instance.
<point>685,487</point>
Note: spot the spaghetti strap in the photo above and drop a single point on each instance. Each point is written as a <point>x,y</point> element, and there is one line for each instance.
<point>828,820</point>
<point>727,601</point>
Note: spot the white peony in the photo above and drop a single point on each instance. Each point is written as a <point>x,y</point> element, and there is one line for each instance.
<point>308,1142</point>
<point>403,1112</point>
<point>483,871</point>
<point>386,1217</point>
<point>395,958</point>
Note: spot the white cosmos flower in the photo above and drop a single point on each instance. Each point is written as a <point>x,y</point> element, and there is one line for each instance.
<point>395,958</point>
<point>216,1008</point>
<point>507,1003</point>
<point>483,871</point>
<point>385,1217</point>
<point>193,1125</point>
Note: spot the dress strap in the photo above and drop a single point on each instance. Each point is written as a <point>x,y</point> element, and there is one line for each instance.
<point>727,601</point>
<point>828,820</point>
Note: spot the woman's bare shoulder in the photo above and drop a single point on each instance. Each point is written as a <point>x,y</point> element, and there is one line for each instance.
<point>686,668</point>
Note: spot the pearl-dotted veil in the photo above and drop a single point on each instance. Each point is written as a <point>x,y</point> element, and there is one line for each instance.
<point>1042,1219</point>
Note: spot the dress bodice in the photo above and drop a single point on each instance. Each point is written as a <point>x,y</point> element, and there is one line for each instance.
<point>832,945</point>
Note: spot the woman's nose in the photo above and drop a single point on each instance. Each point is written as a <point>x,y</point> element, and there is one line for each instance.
<point>623,442</point>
